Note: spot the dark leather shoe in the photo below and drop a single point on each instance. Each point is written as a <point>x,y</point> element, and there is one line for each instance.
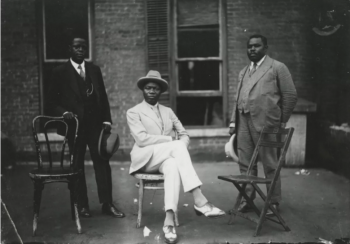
<point>84,212</point>
<point>244,207</point>
<point>269,213</point>
<point>110,209</point>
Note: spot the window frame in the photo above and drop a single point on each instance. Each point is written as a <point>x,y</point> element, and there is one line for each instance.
<point>175,92</point>
<point>90,34</point>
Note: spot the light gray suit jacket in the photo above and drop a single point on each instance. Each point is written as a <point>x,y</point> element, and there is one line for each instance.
<point>146,130</point>
<point>272,95</point>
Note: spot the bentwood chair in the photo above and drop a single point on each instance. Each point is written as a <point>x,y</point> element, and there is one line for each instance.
<point>150,182</point>
<point>270,137</point>
<point>47,173</point>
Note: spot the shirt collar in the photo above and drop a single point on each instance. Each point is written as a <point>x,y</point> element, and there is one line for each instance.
<point>75,65</point>
<point>152,106</point>
<point>258,63</point>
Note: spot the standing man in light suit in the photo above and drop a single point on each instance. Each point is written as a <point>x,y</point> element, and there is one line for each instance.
<point>77,89</point>
<point>155,151</point>
<point>266,96</point>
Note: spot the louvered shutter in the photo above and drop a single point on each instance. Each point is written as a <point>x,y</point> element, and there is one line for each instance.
<point>157,41</point>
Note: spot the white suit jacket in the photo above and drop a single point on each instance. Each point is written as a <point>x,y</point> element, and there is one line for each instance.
<point>146,130</point>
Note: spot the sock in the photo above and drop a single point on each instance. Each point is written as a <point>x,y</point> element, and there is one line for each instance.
<point>199,199</point>
<point>169,218</point>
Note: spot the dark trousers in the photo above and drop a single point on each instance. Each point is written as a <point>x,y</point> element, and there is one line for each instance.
<point>88,135</point>
<point>247,138</point>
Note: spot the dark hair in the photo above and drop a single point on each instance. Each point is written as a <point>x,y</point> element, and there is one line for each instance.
<point>264,40</point>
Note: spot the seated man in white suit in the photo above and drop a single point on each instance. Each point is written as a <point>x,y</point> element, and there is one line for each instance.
<point>155,151</point>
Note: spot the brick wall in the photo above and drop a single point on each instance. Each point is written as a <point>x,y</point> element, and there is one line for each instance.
<point>121,54</point>
<point>120,51</point>
<point>19,71</point>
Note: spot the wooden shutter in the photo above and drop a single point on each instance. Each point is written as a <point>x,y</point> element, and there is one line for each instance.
<point>157,41</point>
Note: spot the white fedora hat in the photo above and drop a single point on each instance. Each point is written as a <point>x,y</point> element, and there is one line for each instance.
<point>153,75</point>
<point>231,148</point>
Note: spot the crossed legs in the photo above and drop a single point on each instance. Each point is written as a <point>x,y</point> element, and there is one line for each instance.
<point>173,160</point>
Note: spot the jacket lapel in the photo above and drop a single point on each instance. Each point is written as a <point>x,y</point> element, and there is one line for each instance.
<point>72,78</point>
<point>146,110</point>
<point>240,81</point>
<point>265,66</point>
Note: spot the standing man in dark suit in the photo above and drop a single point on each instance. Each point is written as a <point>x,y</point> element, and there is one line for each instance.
<point>266,96</point>
<point>77,89</point>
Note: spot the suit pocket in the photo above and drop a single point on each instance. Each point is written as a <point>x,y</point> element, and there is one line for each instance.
<point>273,112</point>
<point>269,84</point>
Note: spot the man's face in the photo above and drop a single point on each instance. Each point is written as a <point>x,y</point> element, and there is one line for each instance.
<point>256,49</point>
<point>151,92</point>
<point>78,50</point>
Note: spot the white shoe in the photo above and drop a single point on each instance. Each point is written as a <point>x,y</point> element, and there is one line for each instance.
<point>209,210</point>
<point>170,234</point>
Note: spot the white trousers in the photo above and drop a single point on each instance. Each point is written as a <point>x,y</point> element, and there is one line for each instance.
<point>173,160</point>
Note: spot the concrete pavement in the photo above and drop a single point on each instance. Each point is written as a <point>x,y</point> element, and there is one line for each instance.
<point>317,205</point>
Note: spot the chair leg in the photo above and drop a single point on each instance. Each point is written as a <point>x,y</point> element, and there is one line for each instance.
<point>71,190</point>
<point>139,215</point>
<point>267,200</point>
<point>235,208</point>
<point>246,197</point>
<point>38,188</point>
<point>72,185</point>
<point>77,219</point>
<point>261,219</point>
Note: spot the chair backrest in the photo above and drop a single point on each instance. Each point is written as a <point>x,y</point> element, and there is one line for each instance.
<point>45,122</point>
<point>274,138</point>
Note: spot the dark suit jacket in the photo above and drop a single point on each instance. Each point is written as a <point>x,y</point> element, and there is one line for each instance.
<point>64,94</point>
<point>272,95</point>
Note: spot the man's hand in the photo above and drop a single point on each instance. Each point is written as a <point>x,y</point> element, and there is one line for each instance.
<point>68,115</point>
<point>232,131</point>
<point>107,127</point>
<point>283,125</point>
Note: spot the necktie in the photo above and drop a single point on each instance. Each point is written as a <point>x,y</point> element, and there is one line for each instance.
<point>155,109</point>
<point>252,70</point>
<point>81,73</point>
<point>89,87</point>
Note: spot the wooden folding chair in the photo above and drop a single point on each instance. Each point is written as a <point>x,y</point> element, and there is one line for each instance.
<point>270,137</point>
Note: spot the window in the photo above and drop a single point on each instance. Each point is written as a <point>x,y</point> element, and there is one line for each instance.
<point>58,20</point>
<point>186,44</point>
<point>198,62</point>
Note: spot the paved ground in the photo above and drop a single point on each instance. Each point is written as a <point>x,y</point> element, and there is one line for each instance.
<point>314,206</point>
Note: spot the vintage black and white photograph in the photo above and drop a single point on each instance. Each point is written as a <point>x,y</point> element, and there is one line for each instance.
<point>175,121</point>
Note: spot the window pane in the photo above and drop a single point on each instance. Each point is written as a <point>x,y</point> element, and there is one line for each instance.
<point>198,75</point>
<point>198,42</point>
<point>200,110</point>
<point>62,17</point>
<point>197,12</point>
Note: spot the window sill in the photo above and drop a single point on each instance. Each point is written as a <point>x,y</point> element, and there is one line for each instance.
<point>208,132</point>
